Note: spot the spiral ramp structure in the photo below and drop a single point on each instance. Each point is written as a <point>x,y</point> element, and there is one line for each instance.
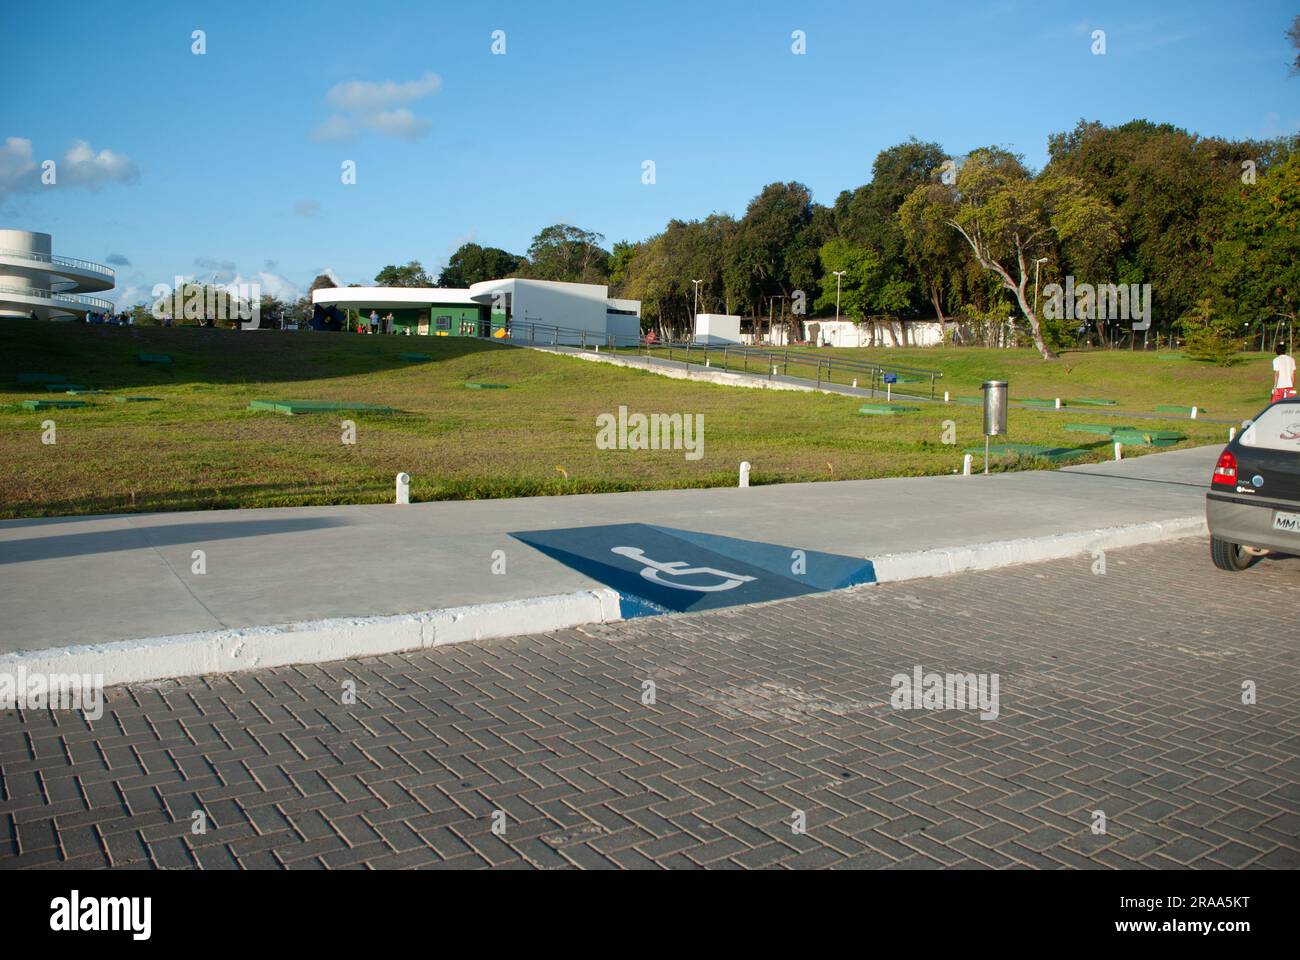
<point>34,282</point>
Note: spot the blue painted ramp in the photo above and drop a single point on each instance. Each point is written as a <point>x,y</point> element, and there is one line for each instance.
<point>662,570</point>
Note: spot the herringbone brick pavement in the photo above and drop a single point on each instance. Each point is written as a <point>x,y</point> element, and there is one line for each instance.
<point>1119,692</point>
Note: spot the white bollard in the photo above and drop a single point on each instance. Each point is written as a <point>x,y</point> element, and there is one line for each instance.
<point>889,388</point>
<point>1193,413</point>
<point>1058,403</point>
<point>1119,452</point>
<point>774,371</point>
<point>1232,434</point>
<point>855,383</point>
<point>744,473</point>
<point>946,398</point>
<point>965,465</point>
<point>706,362</point>
<point>403,488</point>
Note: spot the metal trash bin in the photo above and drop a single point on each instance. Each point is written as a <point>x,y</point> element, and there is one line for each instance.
<point>995,413</point>
<point>995,407</point>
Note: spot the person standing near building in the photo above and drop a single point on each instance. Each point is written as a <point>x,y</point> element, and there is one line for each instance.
<point>1283,374</point>
<point>374,321</point>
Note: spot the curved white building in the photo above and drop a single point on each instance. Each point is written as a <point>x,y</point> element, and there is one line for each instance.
<point>34,282</point>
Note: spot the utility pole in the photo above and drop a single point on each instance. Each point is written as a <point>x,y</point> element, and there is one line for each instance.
<point>838,274</point>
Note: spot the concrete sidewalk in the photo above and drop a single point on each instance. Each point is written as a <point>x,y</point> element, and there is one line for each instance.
<point>304,584</point>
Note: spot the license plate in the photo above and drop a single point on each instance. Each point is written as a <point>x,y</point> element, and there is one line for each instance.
<point>1289,522</point>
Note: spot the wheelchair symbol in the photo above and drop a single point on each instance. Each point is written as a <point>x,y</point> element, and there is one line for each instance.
<point>678,568</point>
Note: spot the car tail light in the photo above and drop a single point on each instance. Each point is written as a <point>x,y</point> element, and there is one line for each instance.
<point>1225,471</point>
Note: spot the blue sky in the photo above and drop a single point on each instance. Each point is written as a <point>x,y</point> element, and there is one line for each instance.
<point>227,165</point>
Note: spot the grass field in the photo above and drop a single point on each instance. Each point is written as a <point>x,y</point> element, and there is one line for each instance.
<point>201,447</point>
<point>1138,381</point>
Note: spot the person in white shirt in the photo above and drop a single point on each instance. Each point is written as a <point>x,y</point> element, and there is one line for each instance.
<point>1283,375</point>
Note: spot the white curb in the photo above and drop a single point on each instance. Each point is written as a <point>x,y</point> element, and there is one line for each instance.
<point>315,641</point>
<point>346,638</point>
<point>893,567</point>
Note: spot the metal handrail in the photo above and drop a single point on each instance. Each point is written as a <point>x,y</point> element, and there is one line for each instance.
<point>551,334</point>
<point>49,295</point>
<point>60,261</point>
<point>773,359</point>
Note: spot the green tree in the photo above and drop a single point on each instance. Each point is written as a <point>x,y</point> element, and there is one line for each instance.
<point>1211,337</point>
<point>934,248</point>
<point>567,253</point>
<point>1256,272</point>
<point>1009,219</point>
<point>661,272</point>
<point>1170,189</point>
<point>411,275</point>
<point>620,260</point>
<point>769,244</point>
<point>861,284</point>
<point>868,217</point>
<point>472,264</point>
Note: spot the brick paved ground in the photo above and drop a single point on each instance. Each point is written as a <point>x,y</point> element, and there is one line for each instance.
<point>1119,692</point>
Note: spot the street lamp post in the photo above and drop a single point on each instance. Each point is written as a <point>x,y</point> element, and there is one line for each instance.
<point>838,274</point>
<point>697,298</point>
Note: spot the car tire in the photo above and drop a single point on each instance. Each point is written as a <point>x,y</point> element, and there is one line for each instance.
<point>1229,556</point>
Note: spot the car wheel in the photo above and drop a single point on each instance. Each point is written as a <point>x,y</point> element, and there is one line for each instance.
<point>1229,556</point>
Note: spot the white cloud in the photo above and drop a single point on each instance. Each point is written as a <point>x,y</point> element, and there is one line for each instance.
<point>361,96</point>
<point>272,285</point>
<point>400,123</point>
<point>378,108</point>
<point>335,128</point>
<point>216,271</point>
<point>16,165</point>
<point>226,272</point>
<point>328,272</point>
<point>117,260</point>
<point>81,166</point>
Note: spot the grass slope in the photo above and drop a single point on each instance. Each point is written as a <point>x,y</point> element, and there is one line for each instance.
<point>1138,381</point>
<point>201,447</point>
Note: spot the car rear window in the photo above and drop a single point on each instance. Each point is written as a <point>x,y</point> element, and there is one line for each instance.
<point>1277,428</point>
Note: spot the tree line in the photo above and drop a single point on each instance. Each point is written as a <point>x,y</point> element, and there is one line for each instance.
<point>1212,225</point>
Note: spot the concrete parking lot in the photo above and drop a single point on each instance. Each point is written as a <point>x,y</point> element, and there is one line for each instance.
<point>1120,687</point>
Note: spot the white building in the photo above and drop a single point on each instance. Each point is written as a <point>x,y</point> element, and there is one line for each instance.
<point>526,311</point>
<point>35,283</point>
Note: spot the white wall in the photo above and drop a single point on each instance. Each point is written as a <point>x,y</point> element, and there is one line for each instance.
<point>717,328</point>
<point>874,333</point>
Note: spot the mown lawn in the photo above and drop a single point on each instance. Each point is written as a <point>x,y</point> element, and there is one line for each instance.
<point>1138,381</point>
<point>200,447</point>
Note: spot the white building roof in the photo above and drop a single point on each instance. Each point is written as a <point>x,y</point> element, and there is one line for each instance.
<point>393,297</point>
